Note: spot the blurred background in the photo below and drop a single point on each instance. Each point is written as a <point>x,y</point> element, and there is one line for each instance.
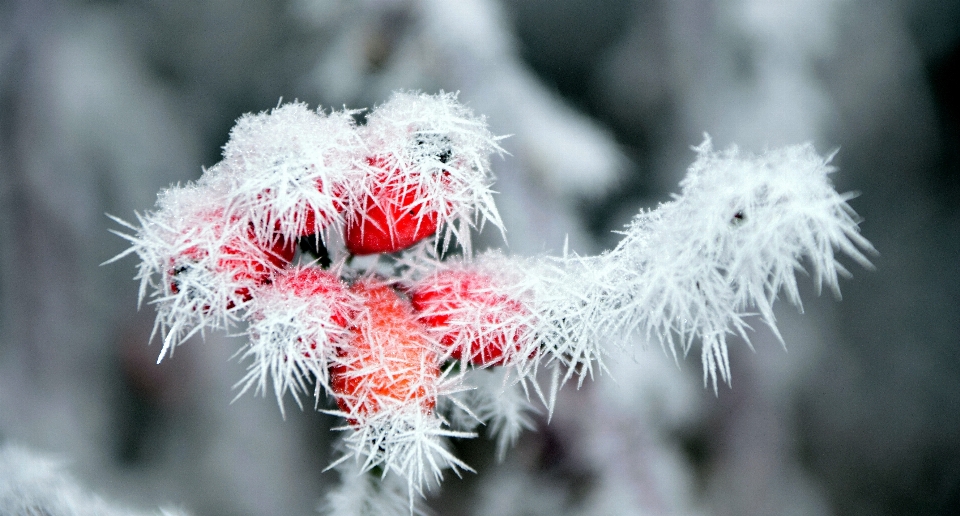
<point>103,103</point>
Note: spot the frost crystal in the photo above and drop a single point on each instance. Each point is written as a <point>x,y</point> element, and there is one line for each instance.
<point>415,350</point>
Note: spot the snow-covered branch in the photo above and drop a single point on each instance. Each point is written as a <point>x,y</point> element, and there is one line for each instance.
<point>420,350</point>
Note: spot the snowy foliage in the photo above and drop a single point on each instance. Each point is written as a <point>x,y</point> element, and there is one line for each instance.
<point>31,484</point>
<point>363,494</point>
<point>415,349</point>
<point>490,398</point>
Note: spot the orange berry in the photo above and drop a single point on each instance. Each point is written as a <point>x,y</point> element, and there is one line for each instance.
<point>389,362</point>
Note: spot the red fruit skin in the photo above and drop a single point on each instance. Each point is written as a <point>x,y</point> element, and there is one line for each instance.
<point>389,361</point>
<point>392,217</point>
<point>252,262</point>
<point>441,297</point>
<point>390,222</point>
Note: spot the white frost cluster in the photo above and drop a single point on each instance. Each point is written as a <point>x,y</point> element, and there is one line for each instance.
<point>415,349</point>
<point>293,331</point>
<point>406,442</point>
<point>742,227</point>
<point>284,168</point>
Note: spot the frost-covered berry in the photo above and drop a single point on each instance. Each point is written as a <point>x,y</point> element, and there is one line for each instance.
<point>427,169</point>
<point>296,323</point>
<point>392,216</point>
<point>310,283</point>
<point>473,318</point>
<point>229,250</point>
<point>242,260</point>
<point>390,362</point>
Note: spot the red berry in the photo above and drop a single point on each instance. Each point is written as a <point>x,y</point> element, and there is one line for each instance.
<point>393,216</point>
<point>390,360</point>
<point>249,260</point>
<point>311,306</point>
<point>242,259</point>
<point>470,316</point>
